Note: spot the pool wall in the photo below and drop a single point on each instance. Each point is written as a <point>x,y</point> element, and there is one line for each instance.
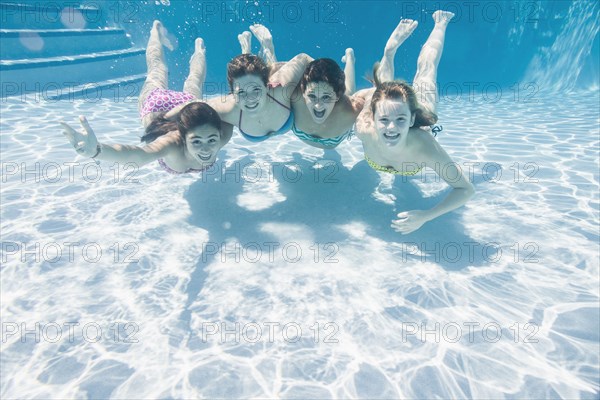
<point>516,48</point>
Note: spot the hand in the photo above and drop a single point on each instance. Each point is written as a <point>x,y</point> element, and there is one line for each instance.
<point>85,143</point>
<point>409,221</point>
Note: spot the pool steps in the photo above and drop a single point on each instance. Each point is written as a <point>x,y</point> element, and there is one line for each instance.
<point>121,90</point>
<point>30,43</point>
<point>39,54</point>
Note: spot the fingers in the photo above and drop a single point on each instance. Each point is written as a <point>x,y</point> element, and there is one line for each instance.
<point>74,137</point>
<point>404,224</point>
<point>67,128</point>
<point>86,125</point>
<point>70,133</point>
<point>401,227</point>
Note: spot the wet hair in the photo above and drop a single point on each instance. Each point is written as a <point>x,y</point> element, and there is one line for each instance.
<point>158,127</point>
<point>247,64</point>
<point>324,70</point>
<point>400,90</point>
<point>190,117</point>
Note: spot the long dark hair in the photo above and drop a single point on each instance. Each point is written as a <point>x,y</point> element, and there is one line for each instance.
<point>158,127</point>
<point>191,116</point>
<point>324,70</point>
<point>402,91</point>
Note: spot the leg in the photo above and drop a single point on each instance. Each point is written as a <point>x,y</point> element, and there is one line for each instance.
<point>245,40</point>
<point>157,76</point>
<point>386,66</point>
<point>195,80</point>
<point>424,82</point>
<point>267,50</point>
<point>349,72</point>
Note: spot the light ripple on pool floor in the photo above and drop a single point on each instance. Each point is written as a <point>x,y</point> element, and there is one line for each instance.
<point>510,279</point>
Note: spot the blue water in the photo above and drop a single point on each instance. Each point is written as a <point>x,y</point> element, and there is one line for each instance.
<point>488,42</point>
<point>276,274</point>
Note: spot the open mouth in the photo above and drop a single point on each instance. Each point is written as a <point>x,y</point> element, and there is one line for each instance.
<point>251,106</point>
<point>391,136</point>
<point>319,114</point>
<point>204,158</point>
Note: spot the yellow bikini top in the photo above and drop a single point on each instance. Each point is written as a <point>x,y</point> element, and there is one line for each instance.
<point>389,170</point>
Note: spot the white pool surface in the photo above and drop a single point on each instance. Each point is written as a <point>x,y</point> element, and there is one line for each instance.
<point>277,275</point>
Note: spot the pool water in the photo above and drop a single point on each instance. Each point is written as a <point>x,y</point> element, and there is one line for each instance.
<point>277,274</point>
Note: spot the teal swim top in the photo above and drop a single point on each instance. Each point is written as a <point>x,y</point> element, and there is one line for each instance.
<point>328,142</point>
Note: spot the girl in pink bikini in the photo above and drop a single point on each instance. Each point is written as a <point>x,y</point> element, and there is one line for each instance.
<point>189,143</point>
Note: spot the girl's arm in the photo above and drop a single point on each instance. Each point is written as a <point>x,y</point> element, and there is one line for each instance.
<point>360,99</point>
<point>87,144</point>
<point>291,73</point>
<point>225,106</point>
<point>462,190</point>
<point>364,125</point>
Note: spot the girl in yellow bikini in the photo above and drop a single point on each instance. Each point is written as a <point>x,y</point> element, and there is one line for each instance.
<point>394,128</point>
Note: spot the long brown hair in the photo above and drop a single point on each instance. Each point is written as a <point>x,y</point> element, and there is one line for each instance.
<point>401,90</point>
<point>191,116</point>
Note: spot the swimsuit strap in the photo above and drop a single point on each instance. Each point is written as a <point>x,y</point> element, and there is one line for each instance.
<point>276,101</point>
<point>272,98</point>
<point>284,128</point>
<point>240,122</point>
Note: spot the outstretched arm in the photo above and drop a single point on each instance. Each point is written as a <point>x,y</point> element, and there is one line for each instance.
<point>86,144</point>
<point>462,190</point>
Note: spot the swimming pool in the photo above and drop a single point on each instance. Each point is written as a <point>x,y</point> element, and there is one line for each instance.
<point>276,274</point>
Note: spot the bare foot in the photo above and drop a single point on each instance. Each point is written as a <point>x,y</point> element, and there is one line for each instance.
<point>162,34</point>
<point>404,29</point>
<point>199,46</point>
<point>442,16</point>
<point>349,56</point>
<point>199,51</point>
<point>245,39</point>
<point>264,36</point>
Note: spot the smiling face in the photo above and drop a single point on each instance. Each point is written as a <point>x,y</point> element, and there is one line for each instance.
<point>320,98</point>
<point>393,120</point>
<point>203,143</point>
<point>250,93</point>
